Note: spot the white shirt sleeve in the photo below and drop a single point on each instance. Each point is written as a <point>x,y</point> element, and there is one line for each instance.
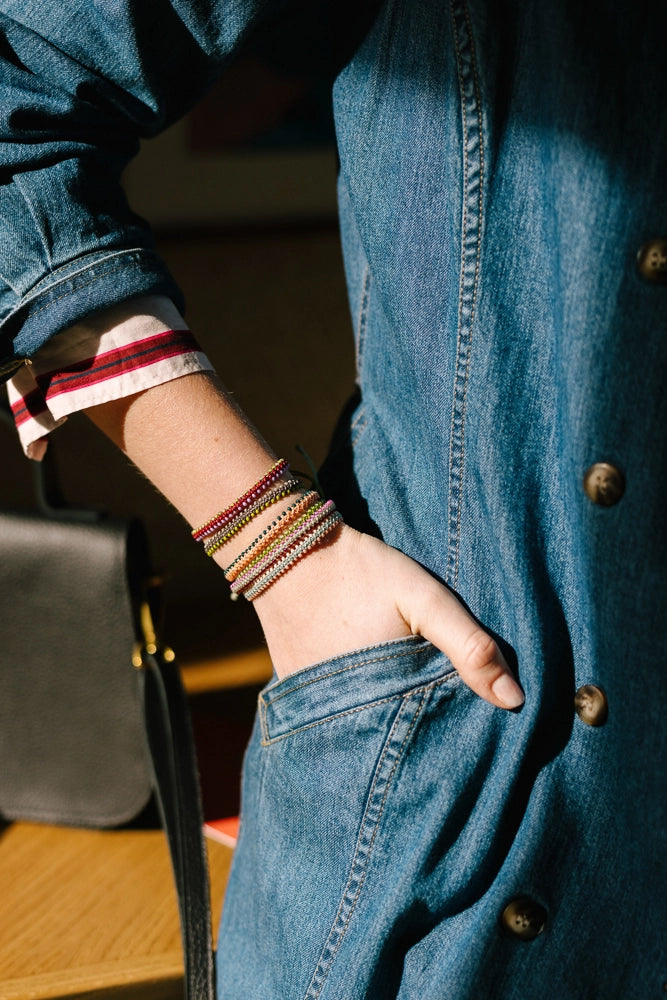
<point>138,344</point>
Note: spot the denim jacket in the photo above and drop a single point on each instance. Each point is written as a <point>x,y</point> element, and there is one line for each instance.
<point>504,223</point>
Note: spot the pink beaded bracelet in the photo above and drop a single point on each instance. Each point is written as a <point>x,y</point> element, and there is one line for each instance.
<point>271,535</point>
<point>290,537</point>
<point>283,565</point>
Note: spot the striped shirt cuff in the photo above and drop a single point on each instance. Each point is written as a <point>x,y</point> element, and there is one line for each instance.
<point>131,347</point>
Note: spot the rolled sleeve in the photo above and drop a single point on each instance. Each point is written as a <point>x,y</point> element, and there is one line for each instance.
<point>80,83</point>
<point>117,353</point>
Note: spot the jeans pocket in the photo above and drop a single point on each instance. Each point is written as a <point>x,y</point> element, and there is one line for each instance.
<point>349,683</point>
<point>321,777</point>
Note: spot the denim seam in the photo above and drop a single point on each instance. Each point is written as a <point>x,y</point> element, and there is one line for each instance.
<point>365,844</point>
<point>361,322</point>
<point>100,258</point>
<point>84,284</point>
<point>261,712</point>
<point>360,418</point>
<point>350,666</point>
<point>268,740</point>
<point>98,263</point>
<point>357,427</point>
<point>471,231</point>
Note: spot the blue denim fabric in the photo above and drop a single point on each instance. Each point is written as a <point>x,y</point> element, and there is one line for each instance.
<point>499,173</point>
<point>501,165</point>
<point>373,823</point>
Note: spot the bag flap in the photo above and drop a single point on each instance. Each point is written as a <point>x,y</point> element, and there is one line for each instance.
<point>72,744</point>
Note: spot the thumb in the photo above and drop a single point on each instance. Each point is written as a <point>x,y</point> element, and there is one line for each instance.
<point>441,618</point>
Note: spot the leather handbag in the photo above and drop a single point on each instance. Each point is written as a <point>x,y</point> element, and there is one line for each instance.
<point>94,724</point>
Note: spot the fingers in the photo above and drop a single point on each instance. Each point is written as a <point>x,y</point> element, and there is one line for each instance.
<point>444,621</point>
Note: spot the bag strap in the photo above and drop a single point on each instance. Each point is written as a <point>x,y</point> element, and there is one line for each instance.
<point>48,493</point>
<point>169,736</point>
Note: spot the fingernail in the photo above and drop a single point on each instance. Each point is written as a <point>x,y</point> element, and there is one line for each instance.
<point>508,691</point>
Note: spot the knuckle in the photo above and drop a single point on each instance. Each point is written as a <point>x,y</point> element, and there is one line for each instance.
<point>480,651</point>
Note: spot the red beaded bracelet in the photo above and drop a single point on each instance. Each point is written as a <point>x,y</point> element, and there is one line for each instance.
<point>243,502</point>
<point>221,536</point>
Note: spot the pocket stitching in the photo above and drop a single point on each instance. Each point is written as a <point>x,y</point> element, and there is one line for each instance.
<point>431,685</point>
<point>351,666</point>
<point>268,740</point>
<point>335,937</point>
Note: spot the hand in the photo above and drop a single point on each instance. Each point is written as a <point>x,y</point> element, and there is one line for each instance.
<point>192,442</point>
<point>356,591</point>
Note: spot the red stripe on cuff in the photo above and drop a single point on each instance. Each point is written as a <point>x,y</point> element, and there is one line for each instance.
<point>28,406</point>
<point>102,367</point>
<point>110,364</point>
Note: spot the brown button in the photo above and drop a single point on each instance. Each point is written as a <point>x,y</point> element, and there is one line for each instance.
<point>604,484</point>
<point>591,704</point>
<point>652,262</point>
<point>524,918</point>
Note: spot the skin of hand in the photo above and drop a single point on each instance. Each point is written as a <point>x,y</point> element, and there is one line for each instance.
<point>357,591</point>
<point>191,440</point>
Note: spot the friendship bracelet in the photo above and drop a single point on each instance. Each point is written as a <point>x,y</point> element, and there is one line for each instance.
<point>280,543</point>
<point>282,566</point>
<point>256,542</point>
<point>243,502</point>
<point>271,575</point>
<point>284,557</point>
<point>224,534</point>
<point>275,530</point>
<point>288,539</point>
<point>241,506</point>
<point>271,536</point>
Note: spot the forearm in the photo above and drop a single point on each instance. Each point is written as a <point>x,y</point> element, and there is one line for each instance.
<point>198,448</point>
<point>191,440</point>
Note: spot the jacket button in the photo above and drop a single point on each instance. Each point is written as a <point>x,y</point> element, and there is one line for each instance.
<point>524,918</point>
<point>604,484</point>
<point>591,704</point>
<point>652,262</point>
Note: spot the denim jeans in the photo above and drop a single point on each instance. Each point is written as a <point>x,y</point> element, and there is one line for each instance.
<point>372,828</point>
<point>504,228</point>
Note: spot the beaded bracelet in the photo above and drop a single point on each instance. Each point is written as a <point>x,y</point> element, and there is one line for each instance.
<point>224,534</point>
<point>279,544</point>
<point>283,558</point>
<point>256,542</point>
<point>243,502</point>
<point>308,543</point>
<point>289,538</point>
<point>272,534</point>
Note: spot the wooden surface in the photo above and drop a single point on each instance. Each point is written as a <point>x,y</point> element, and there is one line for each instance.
<point>217,673</point>
<point>92,914</point>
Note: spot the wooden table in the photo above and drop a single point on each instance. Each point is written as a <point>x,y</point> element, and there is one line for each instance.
<point>91,914</point>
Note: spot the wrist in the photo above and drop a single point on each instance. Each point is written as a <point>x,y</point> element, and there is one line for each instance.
<point>324,569</point>
<point>300,522</point>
